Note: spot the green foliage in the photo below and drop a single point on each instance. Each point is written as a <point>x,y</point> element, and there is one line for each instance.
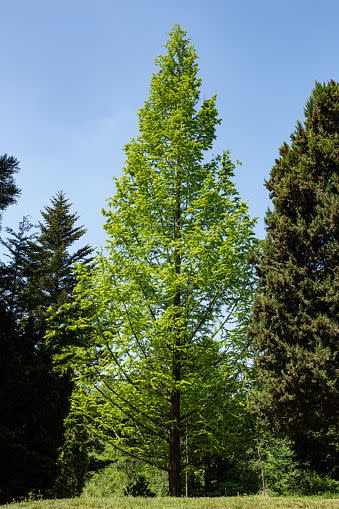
<point>311,483</point>
<point>295,319</point>
<point>125,477</point>
<point>139,488</point>
<point>280,472</point>
<point>109,481</point>
<point>13,280</point>
<point>19,456</point>
<point>229,476</point>
<point>53,258</point>
<point>158,321</point>
<point>73,460</point>
<point>9,192</point>
<point>276,465</point>
<point>34,400</point>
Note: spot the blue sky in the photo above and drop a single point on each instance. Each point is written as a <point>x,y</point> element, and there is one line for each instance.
<point>74,73</point>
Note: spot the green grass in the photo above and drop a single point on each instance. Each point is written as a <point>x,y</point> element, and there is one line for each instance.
<point>252,502</point>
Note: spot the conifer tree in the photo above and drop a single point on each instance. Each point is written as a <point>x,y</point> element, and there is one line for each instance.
<point>17,459</point>
<point>13,279</point>
<point>50,276</point>
<point>34,399</point>
<point>9,191</point>
<point>295,319</point>
<point>51,270</point>
<point>157,368</point>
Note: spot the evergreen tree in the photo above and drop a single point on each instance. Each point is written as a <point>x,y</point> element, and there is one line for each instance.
<point>51,269</point>
<point>35,400</point>
<point>50,275</point>
<point>157,366</point>
<point>20,462</point>
<point>13,279</point>
<point>295,317</point>
<point>30,428</point>
<point>9,165</point>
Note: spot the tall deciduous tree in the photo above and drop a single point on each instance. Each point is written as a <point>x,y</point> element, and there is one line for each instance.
<point>157,366</point>
<point>295,320</point>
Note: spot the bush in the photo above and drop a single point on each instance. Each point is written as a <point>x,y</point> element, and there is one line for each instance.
<point>126,477</point>
<point>139,488</point>
<point>311,483</point>
<point>281,474</point>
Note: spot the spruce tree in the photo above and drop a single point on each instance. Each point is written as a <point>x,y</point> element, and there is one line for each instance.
<point>35,401</point>
<point>13,280</point>
<point>295,318</point>
<point>158,369</point>
<point>52,264</point>
<point>50,276</point>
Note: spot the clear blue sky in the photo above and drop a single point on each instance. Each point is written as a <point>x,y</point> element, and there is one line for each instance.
<point>74,73</point>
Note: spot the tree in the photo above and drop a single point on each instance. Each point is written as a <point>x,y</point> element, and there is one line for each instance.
<point>34,399</point>
<point>19,461</point>
<point>9,165</point>
<point>12,275</point>
<point>27,436</point>
<point>154,358</point>
<point>50,282</point>
<point>295,318</point>
<point>51,268</point>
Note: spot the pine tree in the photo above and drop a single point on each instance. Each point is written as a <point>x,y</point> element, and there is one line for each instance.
<point>295,318</point>
<point>157,367</point>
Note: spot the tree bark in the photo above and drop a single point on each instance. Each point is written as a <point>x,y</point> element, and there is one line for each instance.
<point>175,451</point>
<point>175,435</point>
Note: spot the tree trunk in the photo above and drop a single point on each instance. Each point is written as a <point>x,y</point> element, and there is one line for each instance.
<point>175,451</point>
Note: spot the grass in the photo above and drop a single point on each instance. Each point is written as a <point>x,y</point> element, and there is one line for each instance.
<point>251,502</point>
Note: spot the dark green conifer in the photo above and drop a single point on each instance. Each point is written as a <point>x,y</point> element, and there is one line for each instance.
<point>295,320</point>
<point>53,260</point>
<point>9,165</point>
<point>20,460</point>
<point>50,284</point>
<point>35,400</point>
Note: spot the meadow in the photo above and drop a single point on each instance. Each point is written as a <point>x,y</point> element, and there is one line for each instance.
<point>250,502</point>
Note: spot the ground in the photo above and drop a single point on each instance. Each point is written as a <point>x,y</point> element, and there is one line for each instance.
<point>257,502</point>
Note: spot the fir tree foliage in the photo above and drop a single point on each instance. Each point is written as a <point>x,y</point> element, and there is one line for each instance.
<point>50,275</point>
<point>154,359</point>
<point>53,261</point>
<point>13,279</point>
<point>9,191</point>
<point>295,318</point>
<point>35,400</point>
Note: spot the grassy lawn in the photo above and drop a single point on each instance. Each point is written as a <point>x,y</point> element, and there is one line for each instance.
<point>256,502</point>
